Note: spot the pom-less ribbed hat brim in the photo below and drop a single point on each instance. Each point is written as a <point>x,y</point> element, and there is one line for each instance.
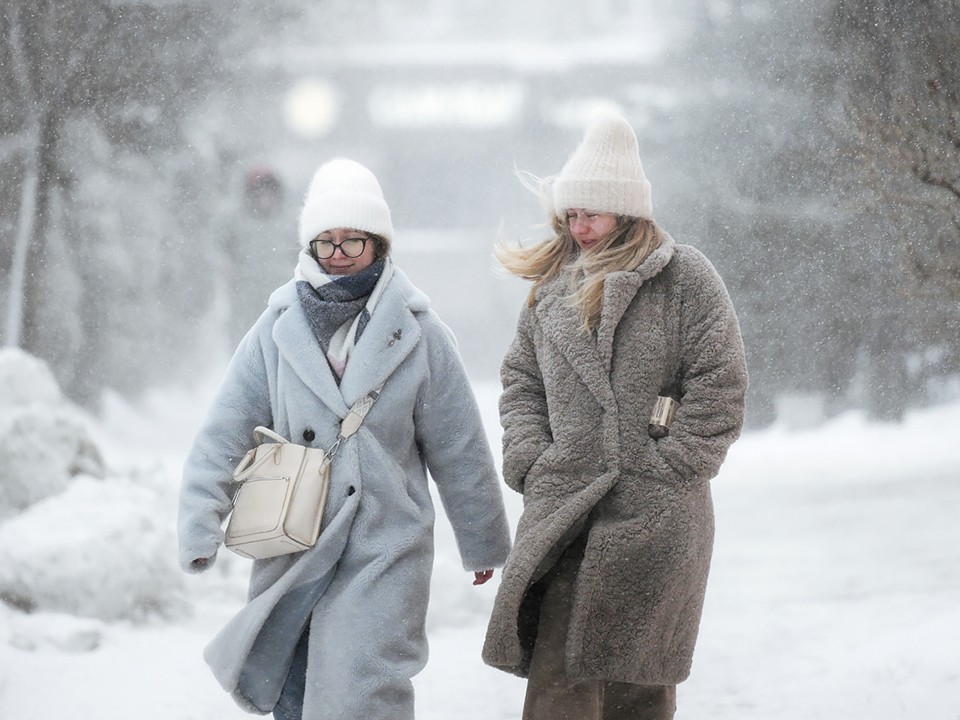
<point>344,210</point>
<point>620,197</point>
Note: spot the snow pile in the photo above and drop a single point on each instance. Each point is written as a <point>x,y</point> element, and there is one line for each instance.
<point>56,632</point>
<point>26,380</point>
<point>99,549</point>
<point>74,538</point>
<point>43,442</point>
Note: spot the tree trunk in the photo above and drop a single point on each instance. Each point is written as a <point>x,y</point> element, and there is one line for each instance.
<point>26,220</point>
<point>35,282</point>
<point>38,287</point>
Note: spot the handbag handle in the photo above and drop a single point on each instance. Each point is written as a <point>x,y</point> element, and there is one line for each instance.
<point>242,473</point>
<point>265,432</point>
<point>244,469</point>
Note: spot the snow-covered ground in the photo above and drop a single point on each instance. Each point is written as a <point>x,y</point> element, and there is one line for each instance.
<point>835,591</point>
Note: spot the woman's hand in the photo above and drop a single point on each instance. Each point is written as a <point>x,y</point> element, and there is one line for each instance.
<point>481,576</point>
<point>200,564</point>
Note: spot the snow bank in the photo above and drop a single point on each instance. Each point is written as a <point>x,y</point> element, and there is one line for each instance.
<point>26,380</point>
<point>100,549</point>
<point>41,451</point>
<point>43,439</point>
<point>71,541</point>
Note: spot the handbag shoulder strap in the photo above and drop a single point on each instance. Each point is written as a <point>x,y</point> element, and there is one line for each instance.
<point>354,419</point>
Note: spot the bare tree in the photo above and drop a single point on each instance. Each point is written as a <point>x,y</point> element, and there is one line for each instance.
<point>901,93</point>
<point>112,63</point>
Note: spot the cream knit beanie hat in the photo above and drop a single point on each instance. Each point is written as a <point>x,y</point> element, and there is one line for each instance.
<point>344,194</point>
<point>604,173</point>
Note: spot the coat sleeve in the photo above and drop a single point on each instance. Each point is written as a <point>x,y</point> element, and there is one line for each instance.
<point>713,381</point>
<point>453,441</point>
<point>241,403</point>
<point>523,406</point>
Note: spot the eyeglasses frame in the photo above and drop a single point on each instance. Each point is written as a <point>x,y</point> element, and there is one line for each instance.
<point>364,240</point>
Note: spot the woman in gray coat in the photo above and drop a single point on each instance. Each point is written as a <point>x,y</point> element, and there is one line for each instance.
<point>600,601</point>
<point>337,631</point>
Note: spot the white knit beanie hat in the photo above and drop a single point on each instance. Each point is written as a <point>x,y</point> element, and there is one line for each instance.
<point>344,194</point>
<point>604,173</point>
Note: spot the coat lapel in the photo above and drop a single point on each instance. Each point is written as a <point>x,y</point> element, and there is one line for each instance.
<point>561,324</point>
<point>300,349</point>
<point>390,335</point>
<point>619,289</point>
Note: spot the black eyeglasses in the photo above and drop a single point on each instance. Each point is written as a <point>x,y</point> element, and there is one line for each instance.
<point>351,247</point>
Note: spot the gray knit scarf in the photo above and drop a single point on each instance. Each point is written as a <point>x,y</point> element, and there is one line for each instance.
<point>339,301</point>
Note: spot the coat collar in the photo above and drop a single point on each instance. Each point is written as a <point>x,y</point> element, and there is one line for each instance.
<point>619,289</point>
<point>591,356</point>
<point>391,334</point>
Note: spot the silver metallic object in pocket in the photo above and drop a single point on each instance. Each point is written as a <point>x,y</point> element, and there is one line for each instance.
<point>662,417</point>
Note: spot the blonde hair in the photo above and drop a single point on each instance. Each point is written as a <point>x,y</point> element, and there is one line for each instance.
<point>623,249</point>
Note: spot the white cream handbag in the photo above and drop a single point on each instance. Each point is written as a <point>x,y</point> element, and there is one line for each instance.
<point>278,506</point>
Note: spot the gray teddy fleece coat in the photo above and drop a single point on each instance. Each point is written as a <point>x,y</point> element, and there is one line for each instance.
<point>575,410</point>
<point>364,587</point>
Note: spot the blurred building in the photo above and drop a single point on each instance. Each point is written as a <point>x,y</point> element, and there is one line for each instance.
<point>445,100</point>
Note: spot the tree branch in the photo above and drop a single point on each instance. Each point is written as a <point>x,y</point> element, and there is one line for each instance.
<point>21,69</point>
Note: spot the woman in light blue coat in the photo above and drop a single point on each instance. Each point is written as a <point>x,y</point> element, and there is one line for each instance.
<point>337,631</point>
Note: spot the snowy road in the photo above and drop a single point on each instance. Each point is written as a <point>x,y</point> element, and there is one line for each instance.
<point>835,589</point>
<point>835,593</point>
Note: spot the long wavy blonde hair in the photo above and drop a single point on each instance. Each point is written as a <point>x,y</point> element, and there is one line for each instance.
<point>623,249</point>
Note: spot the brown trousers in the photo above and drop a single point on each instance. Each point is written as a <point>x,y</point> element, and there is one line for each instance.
<point>552,694</point>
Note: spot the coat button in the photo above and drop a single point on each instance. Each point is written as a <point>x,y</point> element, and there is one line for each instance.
<point>309,435</point>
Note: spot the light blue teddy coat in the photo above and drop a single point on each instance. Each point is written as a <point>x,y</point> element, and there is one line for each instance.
<point>364,587</point>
